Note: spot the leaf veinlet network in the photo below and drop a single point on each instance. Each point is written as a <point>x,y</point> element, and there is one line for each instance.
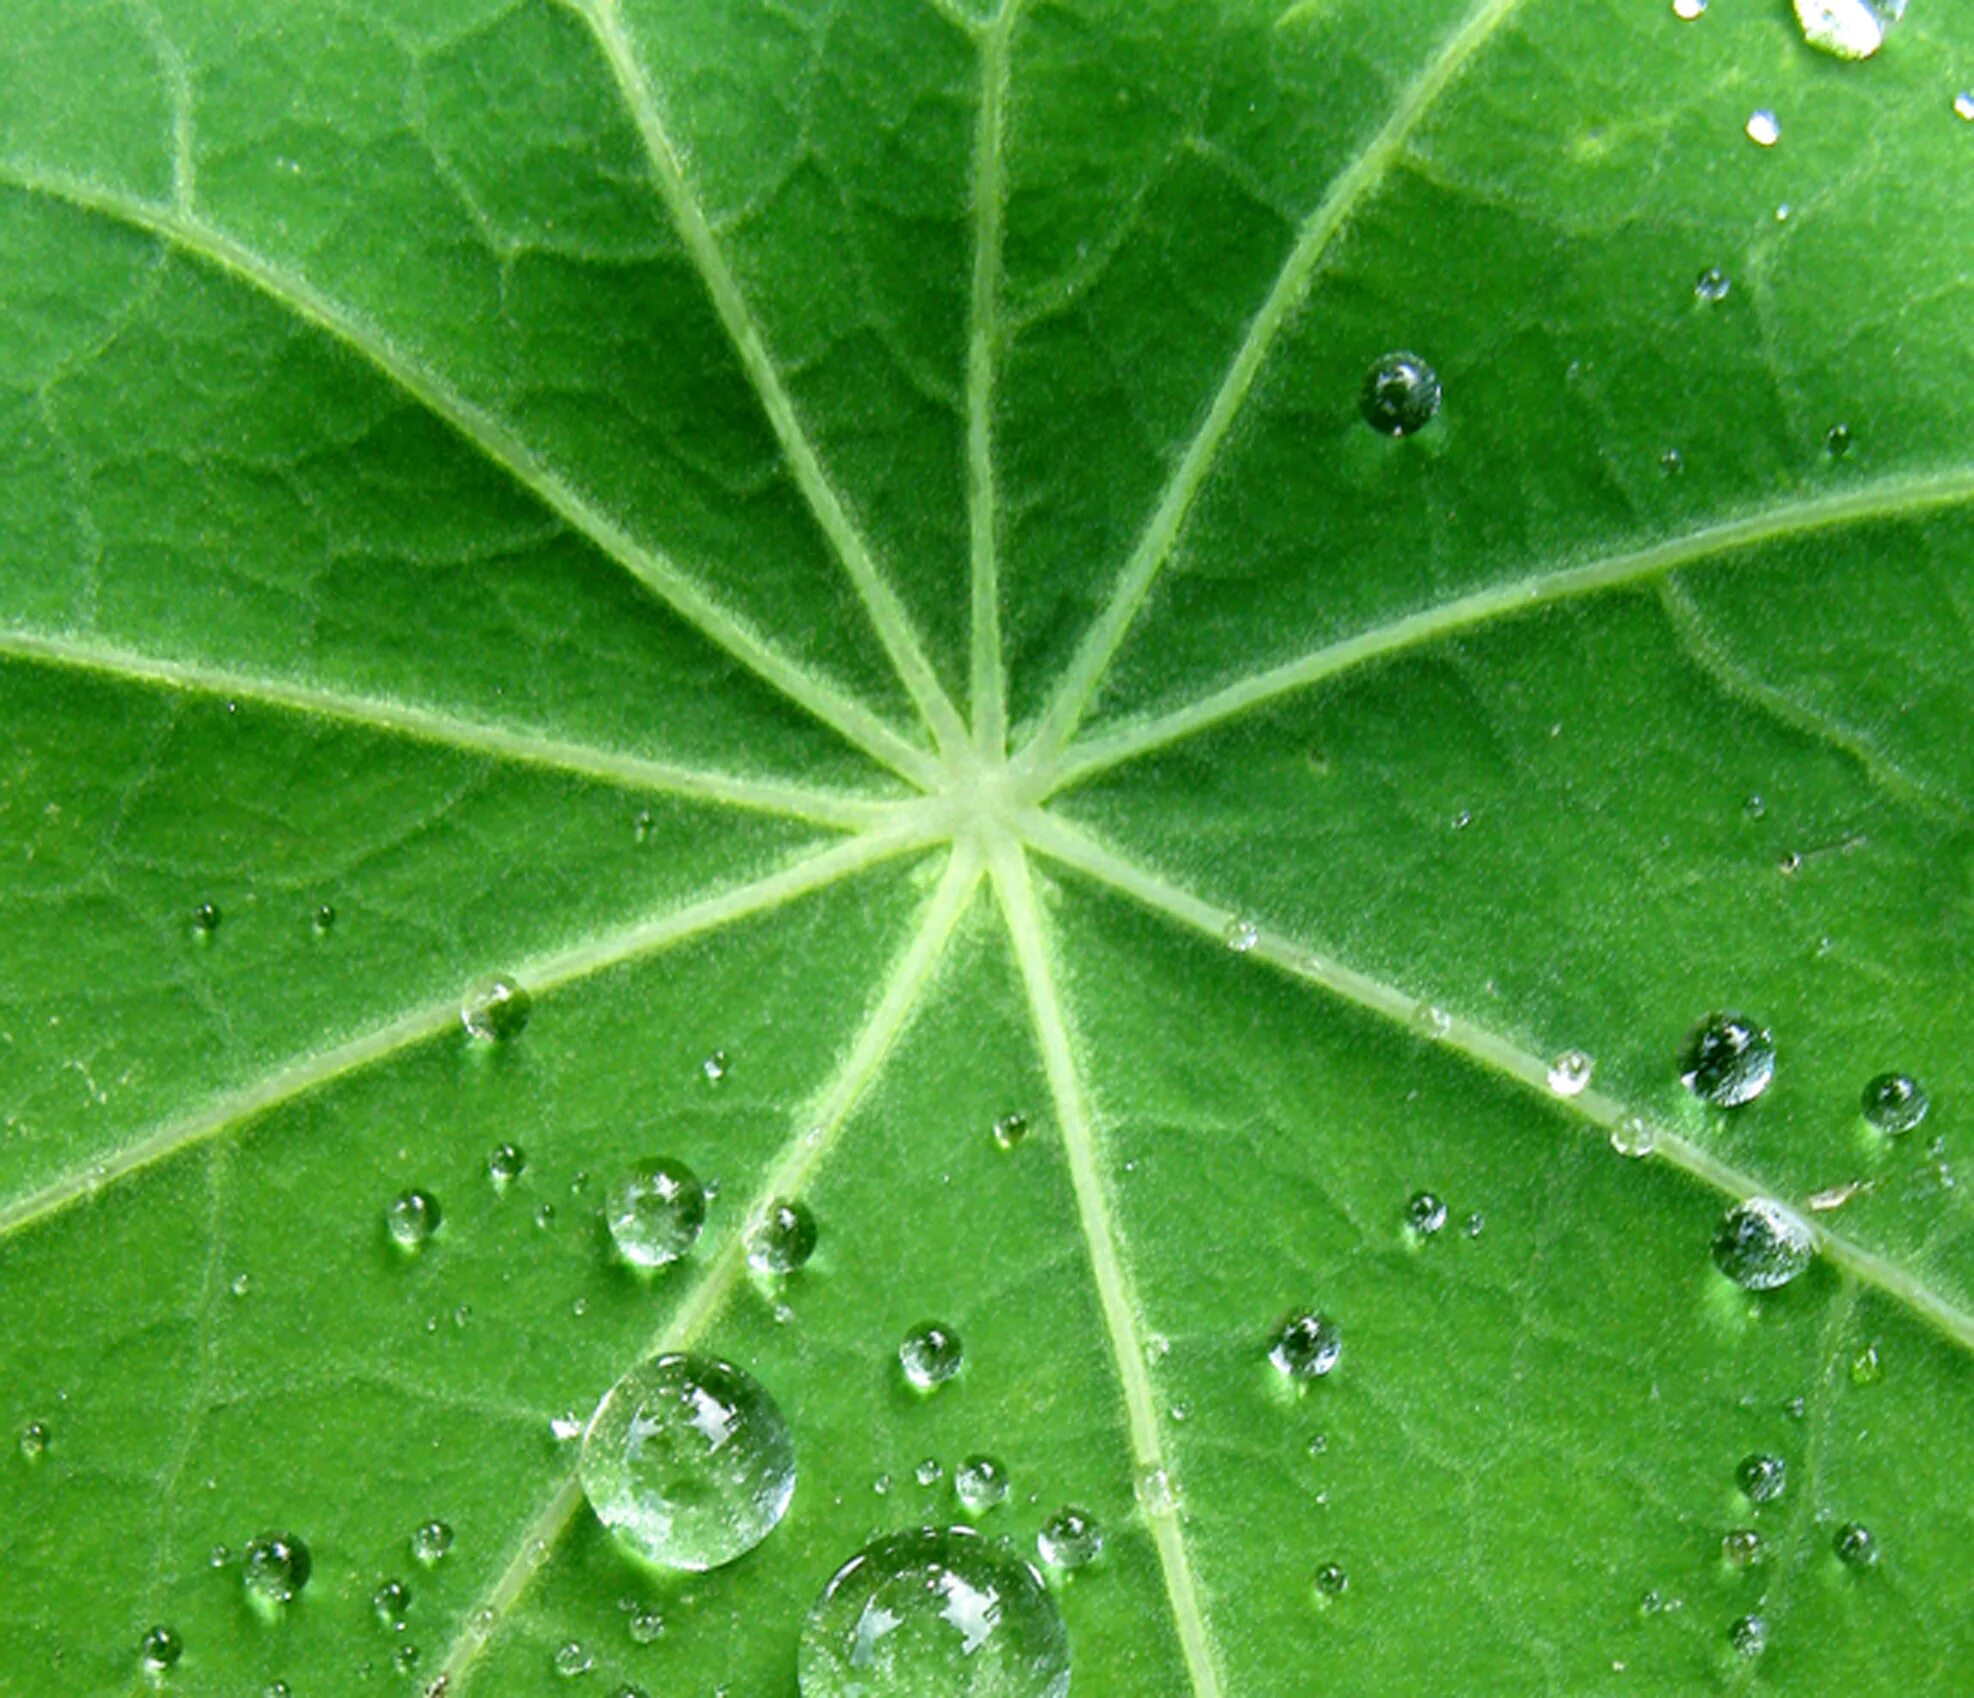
<point>984,814</point>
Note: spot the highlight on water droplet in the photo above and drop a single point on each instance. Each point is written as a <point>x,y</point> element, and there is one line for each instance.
<point>1687,10</point>
<point>1070,1539</point>
<point>716,1067</point>
<point>392,1603</point>
<point>1856,1545</point>
<point>1762,1244</point>
<point>1963,105</point>
<point>34,1440</point>
<point>1848,29</point>
<point>1010,1129</point>
<point>689,1462</point>
<point>646,1627</point>
<point>1837,441</point>
<point>1894,1103</point>
<point>655,1212</point>
<point>160,1649</point>
<point>1748,1635</point>
<point>1569,1073</point>
<point>1425,1214</point>
<point>274,1568</point>
<point>1762,1477</point>
<point>1741,1547</point>
<point>1155,1492</point>
<point>981,1484</point>
<point>324,919</point>
<point>572,1658</point>
<point>1330,1582</point>
<point>505,1164</point>
<point>931,1354</point>
<point>412,1218</point>
<point>1306,1346</point>
<point>1727,1060</point>
<point>1400,395</point>
<point>1241,934</point>
<point>783,1239</point>
<point>1633,1137</point>
<point>494,1009</point>
<point>937,1612</point>
<point>430,1541</point>
<point>1712,285</point>
<point>205,919</point>
<point>1764,128</point>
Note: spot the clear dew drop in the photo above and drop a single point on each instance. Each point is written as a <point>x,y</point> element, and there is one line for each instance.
<point>1632,1137</point>
<point>1848,29</point>
<point>646,1627</point>
<point>1712,285</point>
<point>1687,10</point>
<point>1331,1581</point>
<point>412,1218</point>
<point>931,1354</point>
<point>1856,1545</point>
<point>716,1067</point>
<point>1741,1547</point>
<point>1010,1129</point>
<point>1763,1477</point>
<point>430,1542</point>
<point>1070,1539</point>
<point>1672,462</point>
<point>324,919</point>
<point>1727,1060</point>
<point>1763,127</point>
<point>34,1440</point>
<point>655,1212</point>
<point>929,1472</point>
<point>783,1239</point>
<point>1762,1244</point>
<point>1432,1020</point>
<point>274,1568</point>
<point>572,1658</point>
<point>1837,441</point>
<point>506,1163</point>
<point>1400,395</point>
<point>1306,1346</point>
<point>689,1462</point>
<point>494,1009</point>
<point>1748,1635</point>
<point>160,1649</point>
<point>1425,1213</point>
<point>981,1484</point>
<point>937,1612</point>
<point>392,1603</point>
<point>1894,1103</point>
<point>1569,1073</point>
<point>1241,935</point>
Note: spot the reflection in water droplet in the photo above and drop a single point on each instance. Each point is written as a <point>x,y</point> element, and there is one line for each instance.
<point>1727,1060</point>
<point>412,1218</point>
<point>1400,395</point>
<point>689,1462</point>
<point>783,1239</point>
<point>1569,1073</point>
<point>495,1009</point>
<point>1894,1103</point>
<point>431,1541</point>
<point>1070,1539</point>
<point>1764,128</point>
<point>655,1212</point>
<point>1425,1213</point>
<point>935,1613</point>
<point>161,1648</point>
<point>1762,1244</point>
<point>274,1568</point>
<point>931,1354</point>
<point>1848,29</point>
<point>1748,1635</point>
<point>1762,1477</point>
<point>981,1483</point>
<point>1855,1544</point>
<point>1306,1346</point>
<point>1712,285</point>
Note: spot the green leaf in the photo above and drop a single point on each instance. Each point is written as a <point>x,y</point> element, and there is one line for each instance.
<point>843,536</point>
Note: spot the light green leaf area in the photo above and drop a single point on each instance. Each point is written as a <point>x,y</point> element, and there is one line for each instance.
<point>843,536</point>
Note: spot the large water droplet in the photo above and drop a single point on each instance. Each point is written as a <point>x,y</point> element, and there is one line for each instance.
<point>1400,395</point>
<point>935,1613</point>
<point>274,1568</point>
<point>160,1649</point>
<point>1894,1103</point>
<point>783,1239</point>
<point>930,1354</point>
<point>1306,1346</point>
<point>495,1009</point>
<point>412,1218</point>
<point>1856,1545</point>
<point>1762,1477</point>
<point>1761,1244</point>
<point>1848,29</point>
<point>1727,1060</point>
<point>1070,1539</point>
<point>981,1483</point>
<point>655,1212</point>
<point>688,1462</point>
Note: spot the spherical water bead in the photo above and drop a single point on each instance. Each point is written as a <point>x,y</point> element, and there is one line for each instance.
<point>1306,1346</point>
<point>412,1218</point>
<point>1748,1635</point>
<point>1764,128</point>
<point>274,1568</point>
<point>1741,1548</point>
<point>506,1163</point>
<point>572,1659</point>
<point>1569,1073</point>
<point>1761,1244</point>
<point>1848,29</point>
<point>1837,441</point>
<point>1331,1581</point>
<point>1894,1103</point>
<point>431,1541</point>
<point>1856,1545</point>
<point>1425,1213</point>
<point>392,1602</point>
<point>938,1612</point>
<point>1400,395</point>
<point>1632,1137</point>
<point>1762,1477</point>
<point>205,919</point>
<point>931,1354</point>
<point>1712,285</point>
<point>1241,935</point>
<point>1070,1539</point>
<point>1727,1060</point>
<point>689,1462</point>
<point>655,1212</point>
<point>981,1484</point>
<point>160,1649</point>
<point>34,1440</point>
<point>1010,1129</point>
<point>495,1009</point>
<point>1687,10</point>
<point>783,1239</point>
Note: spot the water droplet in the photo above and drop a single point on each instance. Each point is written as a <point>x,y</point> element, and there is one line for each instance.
<point>412,1218</point>
<point>1687,10</point>
<point>646,1627</point>
<point>1856,1545</point>
<point>1764,128</point>
<point>655,1212</point>
<point>1894,1103</point>
<point>495,1009</point>
<point>930,1354</point>
<point>1762,1244</point>
<point>642,826</point>
<point>981,1483</point>
<point>1748,1635</point>
<point>1632,1137</point>
<point>431,1541</point>
<point>566,1426</point>
<point>324,919</point>
<point>240,1284</point>
<point>392,1602</point>
<point>929,1472</point>
<point>274,1568</point>
<point>572,1659</point>
<point>205,919</point>
<point>935,1613</point>
<point>1712,285</point>
<point>34,1440</point>
<point>783,1239</point>
<point>1790,864</point>
<point>506,1163</point>
<point>1475,1224</point>
<point>1010,1129</point>
<point>161,1648</point>
<point>1569,1073</point>
<point>1400,395</point>
<point>715,1066</point>
<point>1156,1493</point>
<point>1741,1548</point>
<point>1963,105</point>
<point>1425,1213</point>
<point>1867,1366</point>
<point>1672,462</point>
<point>1848,29</point>
<point>1331,1581</point>
<point>1306,1346</point>
<point>689,1462</point>
<point>1837,441</point>
<point>1070,1539</point>
<point>544,1215</point>
<point>1727,1060</point>
<point>1762,1477</point>
<point>1241,935</point>
<point>1755,807</point>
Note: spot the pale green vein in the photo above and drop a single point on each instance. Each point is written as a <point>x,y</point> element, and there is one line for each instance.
<point>1072,848</point>
<point>796,1167</point>
<point>504,450</point>
<point>542,976</point>
<point>1788,521</point>
<point>887,614</point>
<point>404,719</point>
<point>989,686</point>
<point>1351,188</point>
<point>1115,1295</point>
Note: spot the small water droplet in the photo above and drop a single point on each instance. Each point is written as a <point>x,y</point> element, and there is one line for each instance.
<point>1764,128</point>
<point>1894,1103</point>
<point>1741,1548</point>
<point>1748,1635</point>
<point>1010,1129</point>
<point>205,919</point>
<point>1687,10</point>
<point>431,1541</point>
<point>324,919</point>
<point>1672,462</point>
<point>506,1163</point>
<point>689,1462</point>
<point>1241,935</point>
<point>1867,1366</point>
<point>219,1556</point>
<point>1712,285</point>
<point>1632,1137</point>
<point>1070,1539</point>
<point>1848,29</point>
<point>274,1569</point>
<point>931,1354</point>
<point>1306,1346</point>
<point>937,1610</point>
<point>572,1658</point>
<point>1156,1495</point>
<point>1474,1225</point>
<point>655,1212</point>
<point>1755,807</point>
<point>412,1218</point>
<point>240,1284</point>
<point>407,1657</point>
<point>929,1472</point>
<point>160,1648</point>
<point>1762,1244</point>
<point>1433,1020</point>
<point>1425,1214</point>
<point>981,1483</point>
<point>783,1239</point>
<point>1727,1060</point>
<point>1331,1581</point>
<point>1762,1477</point>
<point>34,1440</point>
<point>1856,1545</point>
<point>1837,441</point>
<point>494,1009</point>
<point>715,1066</point>
<point>642,826</point>
<point>1569,1073</point>
<point>392,1602</point>
<point>1400,395</point>
<point>645,1626</point>
<point>1796,1408</point>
